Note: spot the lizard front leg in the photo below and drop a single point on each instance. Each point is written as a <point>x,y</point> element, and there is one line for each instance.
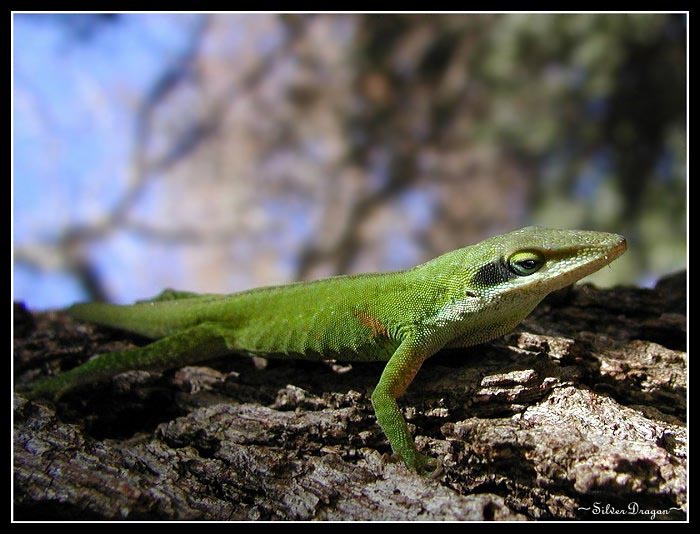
<point>396,377</point>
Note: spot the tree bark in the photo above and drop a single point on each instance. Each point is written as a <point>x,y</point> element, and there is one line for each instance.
<point>578,414</point>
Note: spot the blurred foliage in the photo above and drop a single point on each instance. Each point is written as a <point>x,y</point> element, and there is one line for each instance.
<point>589,108</point>
<point>296,146</point>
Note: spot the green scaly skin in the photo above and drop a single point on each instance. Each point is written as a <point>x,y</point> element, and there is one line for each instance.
<point>462,298</point>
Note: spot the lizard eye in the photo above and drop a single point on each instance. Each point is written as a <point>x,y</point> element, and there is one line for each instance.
<point>526,262</point>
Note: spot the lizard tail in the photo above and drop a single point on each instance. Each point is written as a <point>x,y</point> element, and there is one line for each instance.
<point>146,319</point>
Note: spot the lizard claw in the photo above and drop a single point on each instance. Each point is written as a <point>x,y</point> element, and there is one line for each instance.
<point>420,463</point>
<point>427,466</point>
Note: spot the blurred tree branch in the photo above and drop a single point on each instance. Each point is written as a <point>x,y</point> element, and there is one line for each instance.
<point>296,146</point>
<point>69,252</point>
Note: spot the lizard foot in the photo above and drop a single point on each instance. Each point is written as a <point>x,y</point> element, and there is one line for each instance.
<point>423,465</point>
<point>427,466</point>
<point>419,463</point>
<point>51,388</point>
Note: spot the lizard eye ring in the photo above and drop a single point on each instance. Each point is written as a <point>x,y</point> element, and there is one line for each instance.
<point>525,262</point>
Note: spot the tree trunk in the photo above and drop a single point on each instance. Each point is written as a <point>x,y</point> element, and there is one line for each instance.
<point>578,414</point>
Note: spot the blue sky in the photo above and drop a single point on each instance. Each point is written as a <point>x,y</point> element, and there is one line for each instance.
<point>74,97</point>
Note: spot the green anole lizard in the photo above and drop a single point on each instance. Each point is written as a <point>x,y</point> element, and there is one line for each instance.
<point>462,298</point>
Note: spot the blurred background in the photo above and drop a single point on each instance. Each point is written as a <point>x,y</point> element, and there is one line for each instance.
<point>216,153</point>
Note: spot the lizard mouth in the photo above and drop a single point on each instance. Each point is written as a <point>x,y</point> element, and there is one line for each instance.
<point>607,253</point>
<point>619,248</point>
<point>616,249</point>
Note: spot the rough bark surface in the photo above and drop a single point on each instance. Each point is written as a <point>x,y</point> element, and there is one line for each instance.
<point>579,414</point>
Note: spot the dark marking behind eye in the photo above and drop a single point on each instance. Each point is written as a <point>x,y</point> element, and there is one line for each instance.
<point>492,274</point>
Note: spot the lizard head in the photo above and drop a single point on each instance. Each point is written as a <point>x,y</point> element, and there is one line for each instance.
<point>536,261</point>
